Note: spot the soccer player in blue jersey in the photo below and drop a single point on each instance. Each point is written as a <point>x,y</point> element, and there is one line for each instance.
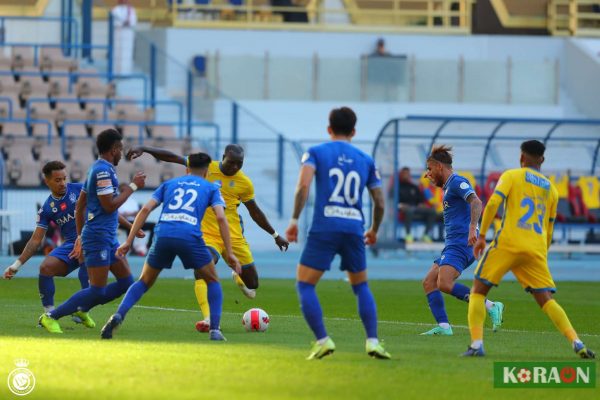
<point>60,209</point>
<point>462,209</point>
<point>96,219</point>
<point>178,234</point>
<point>342,172</point>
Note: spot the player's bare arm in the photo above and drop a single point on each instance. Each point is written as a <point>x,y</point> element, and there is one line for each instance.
<point>488,216</point>
<point>231,259</point>
<point>307,173</point>
<point>476,207</point>
<point>159,154</point>
<point>79,222</point>
<point>136,227</point>
<point>261,220</point>
<point>377,197</point>
<point>128,225</point>
<point>30,248</point>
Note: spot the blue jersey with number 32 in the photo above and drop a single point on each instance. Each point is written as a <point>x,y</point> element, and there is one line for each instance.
<point>341,174</point>
<point>185,200</point>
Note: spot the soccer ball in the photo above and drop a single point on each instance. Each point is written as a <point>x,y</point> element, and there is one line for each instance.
<point>255,320</point>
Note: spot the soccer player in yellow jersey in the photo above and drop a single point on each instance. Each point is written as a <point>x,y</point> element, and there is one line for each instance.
<point>235,188</point>
<point>520,245</point>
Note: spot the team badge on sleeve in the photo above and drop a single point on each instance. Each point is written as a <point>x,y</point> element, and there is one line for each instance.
<point>305,157</point>
<point>464,185</point>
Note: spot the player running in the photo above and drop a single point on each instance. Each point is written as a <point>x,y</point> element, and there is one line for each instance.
<point>342,172</point>
<point>235,188</point>
<point>97,207</point>
<point>178,233</point>
<point>520,245</point>
<point>462,209</point>
<point>60,209</point>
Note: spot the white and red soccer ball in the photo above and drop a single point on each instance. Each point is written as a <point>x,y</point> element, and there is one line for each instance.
<point>255,320</point>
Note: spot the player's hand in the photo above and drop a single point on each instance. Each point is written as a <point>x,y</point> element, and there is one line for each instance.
<point>123,249</point>
<point>370,237</point>
<point>233,263</point>
<point>139,179</point>
<point>291,233</point>
<point>140,234</point>
<point>479,247</point>
<point>76,253</point>
<point>134,153</point>
<point>10,272</point>
<point>472,235</point>
<point>281,243</point>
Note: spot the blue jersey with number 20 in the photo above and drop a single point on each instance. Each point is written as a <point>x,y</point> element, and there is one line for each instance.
<point>341,174</point>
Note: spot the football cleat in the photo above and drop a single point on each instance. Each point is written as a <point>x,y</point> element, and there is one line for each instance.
<point>49,323</point>
<point>496,315</point>
<point>203,325</point>
<point>471,352</point>
<point>84,319</point>
<point>249,293</point>
<point>377,351</point>
<point>438,330</point>
<point>113,323</point>
<point>217,335</point>
<point>319,351</point>
<point>583,351</point>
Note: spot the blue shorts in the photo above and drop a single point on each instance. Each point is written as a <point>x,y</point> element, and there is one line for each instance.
<point>193,253</point>
<point>458,257</point>
<point>62,253</point>
<point>100,254</point>
<point>321,247</point>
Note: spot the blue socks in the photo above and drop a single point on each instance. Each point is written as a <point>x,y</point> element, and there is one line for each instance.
<point>82,274</point>
<point>366,308</point>
<point>436,305</point>
<point>84,300</point>
<point>116,289</point>
<point>461,292</point>
<point>311,309</point>
<point>47,290</point>
<point>133,295</point>
<point>215,303</point>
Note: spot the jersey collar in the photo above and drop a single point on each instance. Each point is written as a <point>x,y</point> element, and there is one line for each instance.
<point>449,179</point>
<point>106,162</point>
<point>60,198</point>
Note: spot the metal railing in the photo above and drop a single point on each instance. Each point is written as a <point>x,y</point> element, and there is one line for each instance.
<point>574,17</point>
<point>368,15</point>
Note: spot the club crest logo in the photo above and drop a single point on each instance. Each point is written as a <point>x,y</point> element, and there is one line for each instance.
<point>21,380</point>
<point>73,197</point>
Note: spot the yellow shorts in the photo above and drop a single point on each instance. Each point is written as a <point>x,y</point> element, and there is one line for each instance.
<point>241,249</point>
<point>531,270</point>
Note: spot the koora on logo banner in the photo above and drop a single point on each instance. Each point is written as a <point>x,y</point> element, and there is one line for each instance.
<point>523,375</point>
<point>21,380</point>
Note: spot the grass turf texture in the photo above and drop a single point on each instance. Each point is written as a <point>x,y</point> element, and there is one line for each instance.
<point>158,353</point>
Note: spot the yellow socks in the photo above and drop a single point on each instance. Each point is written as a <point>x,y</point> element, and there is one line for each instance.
<point>202,296</point>
<point>476,316</point>
<point>558,316</point>
<point>239,280</point>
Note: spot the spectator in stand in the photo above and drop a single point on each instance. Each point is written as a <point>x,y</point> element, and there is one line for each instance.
<point>124,20</point>
<point>412,203</point>
<point>380,50</point>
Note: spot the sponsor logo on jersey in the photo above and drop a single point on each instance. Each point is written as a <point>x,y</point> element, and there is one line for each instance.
<point>179,217</point>
<point>103,183</point>
<point>63,220</point>
<point>63,206</point>
<point>343,212</point>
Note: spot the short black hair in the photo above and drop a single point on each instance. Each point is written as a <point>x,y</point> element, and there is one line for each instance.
<point>198,161</point>
<point>51,166</point>
<point>342,121</point>
<point>107,139</point>
<point>441,153</point>
<point>533,148</point>
<point>235,149</point>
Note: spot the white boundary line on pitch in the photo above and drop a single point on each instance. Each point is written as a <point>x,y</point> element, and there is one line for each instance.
<point>358,320</point>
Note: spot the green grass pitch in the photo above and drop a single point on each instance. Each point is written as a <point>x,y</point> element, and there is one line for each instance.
<point>158,354</point>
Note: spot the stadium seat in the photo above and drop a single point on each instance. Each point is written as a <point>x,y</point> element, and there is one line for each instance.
<point>590,190</point>
<point>490,184</point>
